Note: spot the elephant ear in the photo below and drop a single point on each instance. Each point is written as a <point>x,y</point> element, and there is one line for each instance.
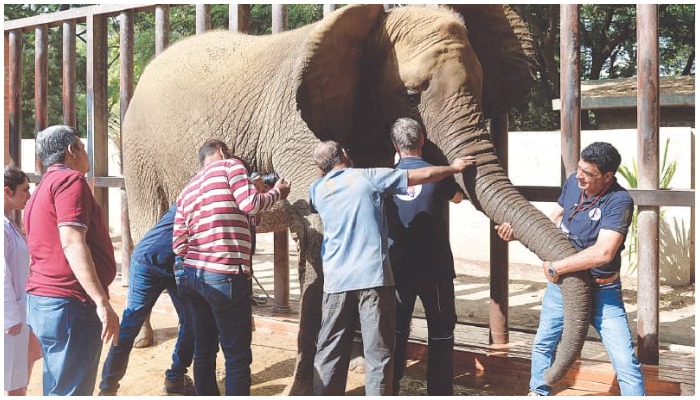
<point>506,52</point>
<point>329,73</point>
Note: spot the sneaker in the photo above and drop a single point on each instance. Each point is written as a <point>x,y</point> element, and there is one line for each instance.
<point>104,392</point>
<point>180,387</point>
<point>533,394</point>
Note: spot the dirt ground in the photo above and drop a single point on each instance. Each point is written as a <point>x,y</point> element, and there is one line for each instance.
<point>274,351</point>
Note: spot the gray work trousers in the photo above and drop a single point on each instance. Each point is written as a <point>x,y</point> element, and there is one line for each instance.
<point>375,309</point>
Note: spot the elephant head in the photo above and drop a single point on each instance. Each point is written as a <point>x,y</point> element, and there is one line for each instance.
<point>451,70</point>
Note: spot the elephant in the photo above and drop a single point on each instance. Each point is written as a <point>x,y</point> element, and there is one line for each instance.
<point>348,77</point>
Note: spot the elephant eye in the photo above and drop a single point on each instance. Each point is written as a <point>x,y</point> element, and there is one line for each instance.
<point>413,97</point>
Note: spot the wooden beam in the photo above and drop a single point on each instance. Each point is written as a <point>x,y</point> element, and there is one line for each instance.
<point>41,84</point>
<point>202,18</point>
<point>570,89</point>
<point>239,18</point>
<point>79,14</point>
<point>329,8</point>
<point>279,18</point>
<point>15,97</point>
<point>97,112</point>
<point>69,74</point>
<point>162,19</point>
<point>498,303</point>
<point>126,91</point>
<point>648,156</point>
<point>281,274</point>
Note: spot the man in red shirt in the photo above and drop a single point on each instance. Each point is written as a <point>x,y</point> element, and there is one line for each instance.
<point>72,265</point>
<point>212,242</point>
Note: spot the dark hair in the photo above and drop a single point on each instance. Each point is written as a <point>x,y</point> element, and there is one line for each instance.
<point>603,155</point>
<point>406,134</point>
<point>210,147</point>
<point>52,143</point>
<point>14,177</point>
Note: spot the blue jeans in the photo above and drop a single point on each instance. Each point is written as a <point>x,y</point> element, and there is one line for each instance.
<point>145,286</point>
<point>376,310</point>
<point>221,306</point>
<point>69,333</point>
<point>438,300</point>
<point>609,318</point>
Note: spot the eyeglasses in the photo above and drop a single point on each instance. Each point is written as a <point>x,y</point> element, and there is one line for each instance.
<point>589,174</point>
<point>574,239</point>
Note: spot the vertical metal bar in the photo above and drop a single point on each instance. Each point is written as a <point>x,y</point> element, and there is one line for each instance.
<point>239,18</point>
<point>498,304</point>
<point>15,97</point>
<point>41,83</point>
<point>69,74</point>
<point>162,27</point>
<point>281,238</point>
<point>126,91</point>
<point>570,89</point>
<point>97,112</point>
<point>648,156</point>
<point>203,18</point>
<point>279,18</point>
<point>329,8</point>
<point>692,209</point>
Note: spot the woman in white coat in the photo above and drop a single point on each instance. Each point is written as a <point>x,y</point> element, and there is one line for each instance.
<point>17,335</point>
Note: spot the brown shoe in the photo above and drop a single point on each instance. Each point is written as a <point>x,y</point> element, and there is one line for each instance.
<point>180,387</point>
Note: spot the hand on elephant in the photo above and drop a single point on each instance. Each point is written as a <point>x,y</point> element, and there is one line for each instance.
<point>283,186</point>
<point>462,163</point>
<point>505,231</point>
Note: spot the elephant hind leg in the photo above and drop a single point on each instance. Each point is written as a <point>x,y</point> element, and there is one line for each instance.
<point>310,309</point>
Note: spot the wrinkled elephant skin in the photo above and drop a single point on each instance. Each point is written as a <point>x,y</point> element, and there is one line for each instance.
<point>347,78</point>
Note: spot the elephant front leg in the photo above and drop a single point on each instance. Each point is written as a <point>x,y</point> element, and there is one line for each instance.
<point>311,280</point>
<point>145,337</point>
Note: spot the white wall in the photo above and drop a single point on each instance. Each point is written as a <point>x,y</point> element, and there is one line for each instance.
<point>534,160</point>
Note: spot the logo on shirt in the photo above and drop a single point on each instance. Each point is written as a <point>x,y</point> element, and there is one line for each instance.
<point>412,193</point>
<point>594,214</point>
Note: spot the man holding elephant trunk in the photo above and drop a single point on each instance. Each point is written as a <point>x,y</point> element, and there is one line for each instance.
<point>212,244</point>
<point>358,280</point>
<point>595,213</point>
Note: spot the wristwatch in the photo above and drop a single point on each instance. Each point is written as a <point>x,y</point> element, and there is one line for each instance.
<point>551,271</point>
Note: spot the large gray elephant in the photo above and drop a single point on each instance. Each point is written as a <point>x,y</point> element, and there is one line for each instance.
<point>347,78</point>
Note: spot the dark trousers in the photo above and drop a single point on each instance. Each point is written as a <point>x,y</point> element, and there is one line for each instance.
<point>145,286</point>
<point>221,306</point>
<point>438,300</point>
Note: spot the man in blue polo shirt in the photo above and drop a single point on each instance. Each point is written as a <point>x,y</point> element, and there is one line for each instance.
<point>358,281</point>
<point>151,272</point>
<point>421,259</point>
<point>595,213</point>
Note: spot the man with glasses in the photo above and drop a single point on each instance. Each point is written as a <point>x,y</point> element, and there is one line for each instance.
<point>595,213</point>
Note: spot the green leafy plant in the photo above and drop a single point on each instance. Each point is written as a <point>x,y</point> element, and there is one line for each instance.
<point>631,175</point>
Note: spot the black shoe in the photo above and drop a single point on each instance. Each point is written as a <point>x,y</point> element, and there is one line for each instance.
<point>180,387</point>
<point>104,392</point>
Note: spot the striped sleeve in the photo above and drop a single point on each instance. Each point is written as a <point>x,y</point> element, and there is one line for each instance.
<point>249,200</point>
<point>180,233</point>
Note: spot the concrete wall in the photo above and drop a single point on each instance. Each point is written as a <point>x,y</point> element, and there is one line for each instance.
<point>534,161</point>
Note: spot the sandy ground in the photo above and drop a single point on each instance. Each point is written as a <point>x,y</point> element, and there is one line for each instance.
<point>274,351</point>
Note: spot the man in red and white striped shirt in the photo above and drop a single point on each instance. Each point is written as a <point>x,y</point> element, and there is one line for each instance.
<point>212,240</point>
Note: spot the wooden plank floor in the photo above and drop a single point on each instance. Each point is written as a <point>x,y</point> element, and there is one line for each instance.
<point>505,369</point>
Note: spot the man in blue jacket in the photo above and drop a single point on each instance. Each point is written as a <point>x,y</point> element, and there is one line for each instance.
<point>150,272</point>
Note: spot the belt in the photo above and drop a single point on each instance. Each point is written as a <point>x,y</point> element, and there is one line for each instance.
<point>602,281</point>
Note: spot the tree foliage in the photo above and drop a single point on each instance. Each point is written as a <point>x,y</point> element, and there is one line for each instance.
<point>608,50</point>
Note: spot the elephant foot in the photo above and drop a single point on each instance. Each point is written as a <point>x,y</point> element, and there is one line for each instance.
<point>145,338</point>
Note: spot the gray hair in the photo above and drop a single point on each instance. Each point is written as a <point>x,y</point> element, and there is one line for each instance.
<point>327,155</point>
<point>52,143</point>
<point>406,134</point>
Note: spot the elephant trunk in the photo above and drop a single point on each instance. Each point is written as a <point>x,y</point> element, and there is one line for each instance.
<point>495,195</point>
